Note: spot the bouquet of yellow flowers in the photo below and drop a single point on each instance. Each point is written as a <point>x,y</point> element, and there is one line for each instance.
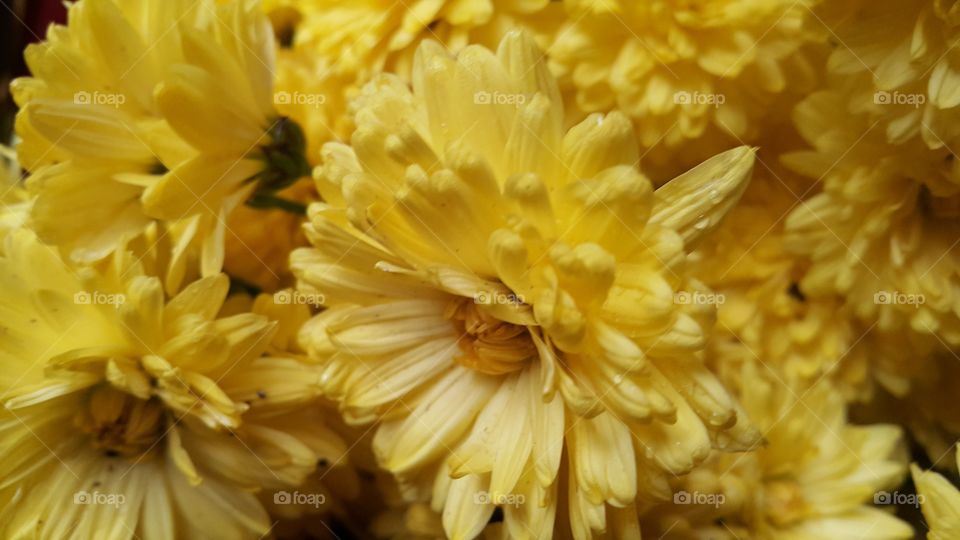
<point>662,269</point>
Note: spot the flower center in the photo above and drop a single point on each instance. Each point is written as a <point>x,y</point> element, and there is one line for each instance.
<point>488,344</point>
<point>120,424</point>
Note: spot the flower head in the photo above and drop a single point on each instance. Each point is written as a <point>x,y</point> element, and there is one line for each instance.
<point>767,315</point>
<point>882,232</point>
<point>688,70</point>
<point>159,111</point>
<point>149,415</point>
<point>501,293</point>
<point>330,49</point>
<point>901,57</point>
<point>815,477</point>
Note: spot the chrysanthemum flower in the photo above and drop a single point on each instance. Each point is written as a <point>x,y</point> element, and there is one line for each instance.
<point>940,502</point>
<point>902,56</point>
<point>370,36</point>
<point>883,231</point>
<point>816,476</point>
<point>152,111</point>
<point>764,313</point>
<point>502,297</point>
<point>330,49</point>
<point>127,415</point>
<point>711,72</point>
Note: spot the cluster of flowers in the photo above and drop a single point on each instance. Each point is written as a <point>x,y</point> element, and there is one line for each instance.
<point>505,268</point>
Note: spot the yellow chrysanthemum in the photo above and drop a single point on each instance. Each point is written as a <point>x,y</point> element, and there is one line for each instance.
<point>815,477</point>
<point>152,111</point>
<point>904,53</point>
<point>330,49</point>
<point>883,231</point>
<point>940,503</point>
<point>713,72</point>
<point>764,314</point>
<point>501,297</point>
<point>367,37</point>
<point>127,415</point>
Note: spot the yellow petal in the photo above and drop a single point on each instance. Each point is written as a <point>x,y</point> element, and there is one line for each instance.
<point>694,202</point>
